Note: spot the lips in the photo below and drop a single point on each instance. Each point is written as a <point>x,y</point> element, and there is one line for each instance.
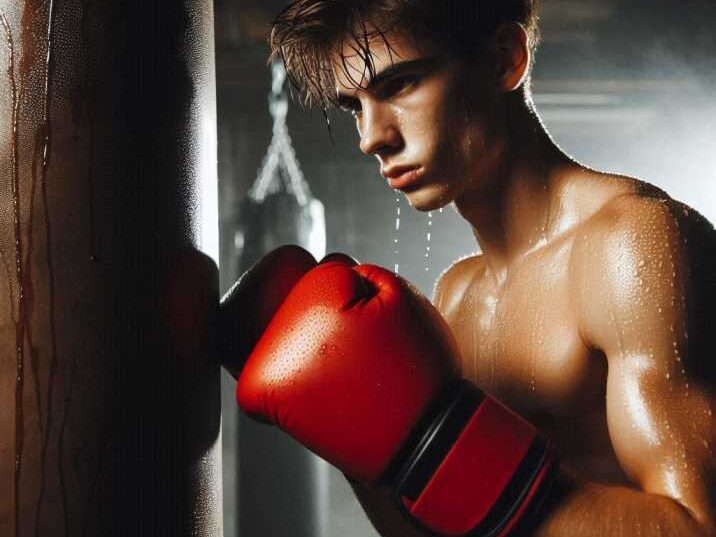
<point>402,177</point>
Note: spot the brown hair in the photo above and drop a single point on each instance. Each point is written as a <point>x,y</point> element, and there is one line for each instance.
<point>306,32</point>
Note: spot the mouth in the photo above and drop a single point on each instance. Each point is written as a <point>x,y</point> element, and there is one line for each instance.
<point>403,177</point>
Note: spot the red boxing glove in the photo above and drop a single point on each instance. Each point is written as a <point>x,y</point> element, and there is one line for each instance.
<point>361,369</point>
<point>247,308</point>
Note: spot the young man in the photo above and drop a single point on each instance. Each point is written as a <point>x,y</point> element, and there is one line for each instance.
<point>589,310</point>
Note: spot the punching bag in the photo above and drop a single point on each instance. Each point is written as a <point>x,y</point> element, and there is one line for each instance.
<point>109,389</point>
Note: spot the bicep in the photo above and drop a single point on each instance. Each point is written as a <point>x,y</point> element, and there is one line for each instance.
<point>641,304</point>
<point>662,432</point>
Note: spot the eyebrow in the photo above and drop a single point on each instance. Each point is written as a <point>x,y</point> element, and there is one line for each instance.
<point>393,71</point>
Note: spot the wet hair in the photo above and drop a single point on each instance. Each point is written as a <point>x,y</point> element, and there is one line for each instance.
<point>306,34</point>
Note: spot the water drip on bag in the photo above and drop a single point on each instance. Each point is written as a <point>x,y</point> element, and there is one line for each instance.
<point>18,256</point>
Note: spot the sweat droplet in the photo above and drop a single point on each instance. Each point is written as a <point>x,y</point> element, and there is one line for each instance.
<point>396,235</point>
<point>428,237</point>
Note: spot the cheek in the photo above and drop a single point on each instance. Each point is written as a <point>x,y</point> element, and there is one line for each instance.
<point>407,119</point>
<point>459,142</point>
<point>441,131</point>
<point>458,136</point>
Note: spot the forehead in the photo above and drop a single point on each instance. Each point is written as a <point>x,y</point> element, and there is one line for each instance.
<point>356,59</point>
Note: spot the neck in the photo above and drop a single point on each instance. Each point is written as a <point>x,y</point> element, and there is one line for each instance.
<point>511,215</point>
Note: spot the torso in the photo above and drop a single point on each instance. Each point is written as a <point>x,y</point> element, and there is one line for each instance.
<point>520,342</point>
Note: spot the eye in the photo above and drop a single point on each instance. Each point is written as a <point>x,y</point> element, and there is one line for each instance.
<point>399,84</point>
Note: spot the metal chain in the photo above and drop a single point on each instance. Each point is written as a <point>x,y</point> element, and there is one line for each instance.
<point>280,165</point>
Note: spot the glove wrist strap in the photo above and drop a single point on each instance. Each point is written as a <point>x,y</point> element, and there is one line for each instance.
<point>475,468</point>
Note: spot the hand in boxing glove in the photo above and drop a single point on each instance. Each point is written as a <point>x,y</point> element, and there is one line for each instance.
<point>247,308</point>
<point>362,370</point>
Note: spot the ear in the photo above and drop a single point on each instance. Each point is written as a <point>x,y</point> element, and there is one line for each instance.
<point>512,55</point>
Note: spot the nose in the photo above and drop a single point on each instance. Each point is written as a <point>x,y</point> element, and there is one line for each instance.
<point>379,132</point>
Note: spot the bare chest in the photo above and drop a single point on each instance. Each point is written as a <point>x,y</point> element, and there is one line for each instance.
<point>521,340</point>
<point>521,343</point>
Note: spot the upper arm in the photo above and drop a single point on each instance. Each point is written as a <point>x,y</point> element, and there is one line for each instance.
<point>644,293</point>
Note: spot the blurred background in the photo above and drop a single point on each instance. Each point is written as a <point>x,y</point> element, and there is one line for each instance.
<point>622,85</point>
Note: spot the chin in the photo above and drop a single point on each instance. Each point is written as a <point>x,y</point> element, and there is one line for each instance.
<point>428,198</point>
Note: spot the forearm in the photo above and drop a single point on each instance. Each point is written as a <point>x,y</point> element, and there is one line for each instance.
<point>589,509</point>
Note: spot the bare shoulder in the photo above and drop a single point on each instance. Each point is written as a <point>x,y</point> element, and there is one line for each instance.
<point>451,285</point>
<point>632,260</point>
<point>644,226</point>
<point>645,220</point>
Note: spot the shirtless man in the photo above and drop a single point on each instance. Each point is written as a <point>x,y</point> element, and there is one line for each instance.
<point>588,311</point>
